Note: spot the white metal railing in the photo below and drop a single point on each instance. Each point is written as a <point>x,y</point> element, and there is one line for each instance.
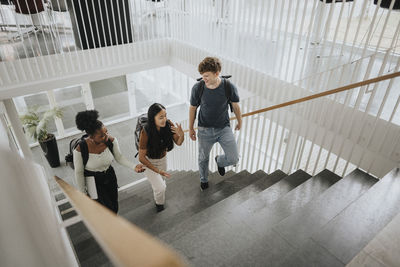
<point>285,39</point>
<point>67,37</point>
<point>313,135</point>
<point>327,60</point>
<point>281,37</point>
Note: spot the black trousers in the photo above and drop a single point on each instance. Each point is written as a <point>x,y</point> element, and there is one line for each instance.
<point>107,188</point>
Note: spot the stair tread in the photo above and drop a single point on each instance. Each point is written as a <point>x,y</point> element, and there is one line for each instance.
<point>352,229</point>
<point>88,251</point>
<point>274,246</point>
<point>274,192</point>
<point>59,196</point>
<point>266,220</point>
<point>80,234</point>
<point>203,200</point>
<point>251,226</point>
<point>142,194</point>
<point>221,207</point>
<point>178,199</point>
<point>383,249</point>
<point>322,209</point>
<point>145,214</point>
<point>143,187</point>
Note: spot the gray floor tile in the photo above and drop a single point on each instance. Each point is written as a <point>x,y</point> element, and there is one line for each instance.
<point>267,250</point>
<point>276,191</point>
<point>311,255</point>
<point>365,260</point>
<point>213,237</point>
<point>322,209</point>
<point>352,229</point>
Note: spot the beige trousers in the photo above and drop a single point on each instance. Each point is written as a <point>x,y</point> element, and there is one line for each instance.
<point>156,180</point>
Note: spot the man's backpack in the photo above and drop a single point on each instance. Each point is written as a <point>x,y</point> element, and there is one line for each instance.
<point>140,124</point>
<point>69,158</point>
<point>228,90</point>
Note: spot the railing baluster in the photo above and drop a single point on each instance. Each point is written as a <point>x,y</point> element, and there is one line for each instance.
<point>250,145</point>
<point>292,39</point>
<point>57,38</point>
<point>25,48</point>
<point>86,38</point>
<point>92,33</point>
<point>280,65</point>
<point>310,28</point>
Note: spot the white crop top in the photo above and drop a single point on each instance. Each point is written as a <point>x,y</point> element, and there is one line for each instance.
<point>98,162</point>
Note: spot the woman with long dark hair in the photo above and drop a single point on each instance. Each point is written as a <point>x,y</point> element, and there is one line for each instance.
<point>156,139</point>
<point>99,150</point>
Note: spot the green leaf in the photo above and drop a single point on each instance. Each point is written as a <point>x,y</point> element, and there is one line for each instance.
<point>35,126</point>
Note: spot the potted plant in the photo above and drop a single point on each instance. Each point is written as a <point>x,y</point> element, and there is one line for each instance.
<point>36,126</point>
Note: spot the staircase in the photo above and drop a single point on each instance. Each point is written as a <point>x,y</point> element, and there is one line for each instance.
<point>260,219</point>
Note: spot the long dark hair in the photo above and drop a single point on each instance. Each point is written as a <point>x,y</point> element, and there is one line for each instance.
<point>159,141</point>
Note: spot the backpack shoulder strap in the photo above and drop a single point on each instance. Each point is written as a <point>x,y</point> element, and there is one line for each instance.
<point>71,147</point>
<point>228,92</point>
<point>200,92</point>
<point>228,89</point>
<point>84,151</point>
<point>110,146</point>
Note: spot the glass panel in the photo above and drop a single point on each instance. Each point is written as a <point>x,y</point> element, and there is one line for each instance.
<point>163,85</point>
<point>71,101</point>
<point>110,97</point>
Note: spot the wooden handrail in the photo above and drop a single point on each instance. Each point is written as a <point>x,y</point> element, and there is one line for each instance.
<point>124,243</point>
<point>325,93</point>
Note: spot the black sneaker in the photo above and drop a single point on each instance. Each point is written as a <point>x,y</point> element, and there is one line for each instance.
<point>159,207</point>
<point>203,186</point>
<point>221,170</point>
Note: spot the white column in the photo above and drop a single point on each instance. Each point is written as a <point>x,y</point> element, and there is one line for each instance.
<point>58,121</point>
<point>131,95</point>
<point>17,127</point>
<point>5,138</point>
<point>87,96</point>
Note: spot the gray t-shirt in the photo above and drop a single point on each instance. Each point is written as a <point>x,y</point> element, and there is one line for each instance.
<point>214,105</point>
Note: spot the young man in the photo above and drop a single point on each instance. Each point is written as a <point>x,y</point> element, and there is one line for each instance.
<point>213,95</point>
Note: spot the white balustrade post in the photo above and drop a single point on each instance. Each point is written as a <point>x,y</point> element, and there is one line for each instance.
<point>87,96</point>
<point>17,127</point>
<point>290,151</point>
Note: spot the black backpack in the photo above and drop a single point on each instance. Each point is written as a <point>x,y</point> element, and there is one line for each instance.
<point>69,158</point>
<point>228,90</point>
<point>140,124</point>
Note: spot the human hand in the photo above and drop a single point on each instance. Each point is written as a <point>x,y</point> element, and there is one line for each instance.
<point>140,168</point>
<point>177,129</point>
<point>238,126</point>
<point>192,134</point>
<point>163,173</point>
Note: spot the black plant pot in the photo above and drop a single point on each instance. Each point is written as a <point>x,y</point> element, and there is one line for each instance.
<point>50,150</point>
